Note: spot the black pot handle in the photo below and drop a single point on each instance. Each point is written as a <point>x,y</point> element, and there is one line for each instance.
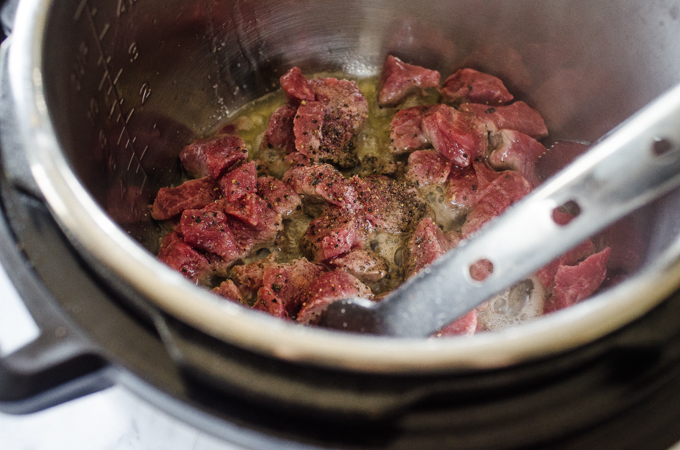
<point>60,363</point>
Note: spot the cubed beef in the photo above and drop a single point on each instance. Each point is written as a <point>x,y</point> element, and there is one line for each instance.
<point>239,182</point>
<point>267,224</point>
<point>496,198</point>
<point>399,80</point>
<point>192,194</point>
<point>183,258</point>
<point>517,116</point>
<point>296,86</point>
<point>427,167</point>
<point>322,182</point>
<point>546,274</point>
<point>465,325</point>
<point>346,111</point>
<point>459,137</point>
<point>248,277</point>
<point>575,283</point>
<point>427,243</point>
<point>334,232</point>
<point>284,286</point>
<point>279,196</point>
<point>297,159</point>
<point>326,289</point>
<point>208,231</point>
<point>212,157</point>
<point>406,130</point>
<point>464,186</point>
<point>472,86</point>
<point>390,205</point>
<point>228,290</point>
<point>279,133</point>
<point>519,152</point>
<point>364,265</point>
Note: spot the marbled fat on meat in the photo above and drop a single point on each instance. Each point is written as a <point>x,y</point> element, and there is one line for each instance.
<point>472,86</point>
<point>399,80</point>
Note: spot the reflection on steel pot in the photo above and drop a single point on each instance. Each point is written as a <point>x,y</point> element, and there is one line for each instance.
<point>108,93</point>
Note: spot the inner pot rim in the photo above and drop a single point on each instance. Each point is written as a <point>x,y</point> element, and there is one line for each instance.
<point>100,240</point>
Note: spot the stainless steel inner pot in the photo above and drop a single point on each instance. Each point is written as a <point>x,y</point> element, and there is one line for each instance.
<point>108,92</point>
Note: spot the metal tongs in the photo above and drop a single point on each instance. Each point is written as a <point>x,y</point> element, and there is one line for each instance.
<point>631,166</point>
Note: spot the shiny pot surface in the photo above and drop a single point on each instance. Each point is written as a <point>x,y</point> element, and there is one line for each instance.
<point>107,93</point>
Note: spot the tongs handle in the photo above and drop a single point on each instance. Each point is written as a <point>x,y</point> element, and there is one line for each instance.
<point>629,167</point>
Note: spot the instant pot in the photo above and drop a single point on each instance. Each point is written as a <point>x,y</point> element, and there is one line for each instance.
<point>99,97</point>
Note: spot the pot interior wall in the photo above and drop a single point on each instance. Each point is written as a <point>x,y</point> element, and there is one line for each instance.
<point>129,83</point>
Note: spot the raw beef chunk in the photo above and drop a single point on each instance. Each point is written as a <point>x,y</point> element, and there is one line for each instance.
<point>406,130</point>
<point>519,152</point>
<point>546,275</point>
<point>326,289</point>
<point>279,196</point>
<point>425,245</point>
<point>399,80</point>
<point>279,133</point>
<point>208,231</point>
<point>575,283</point>
<point>464,186</point>
<point>334,232</point>
<point>183,258</point>
<point>364,265</point>
<point>212,157</point>
<point>471,86</point>
<point>518,116</point>
<point>283,287</point>
<point>239,182</point>
<point>228,290</point>
<point>427,167</point>
<point>322,182</point>
<point>496,198</point>
<point>248,277</point>
<point>466,325</point>
<point>458,137</point>
<point>461,138</point>
<point>296,86</point>
<point>192,194</point>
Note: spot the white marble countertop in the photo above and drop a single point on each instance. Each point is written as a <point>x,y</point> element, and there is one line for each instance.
<point>113,419</point>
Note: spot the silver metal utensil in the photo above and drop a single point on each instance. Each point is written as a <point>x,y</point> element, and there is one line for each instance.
<point>632,165</point>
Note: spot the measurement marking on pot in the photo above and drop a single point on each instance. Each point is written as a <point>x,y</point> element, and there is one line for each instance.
<point>115,80</point>
<point>115,158</point>
<point>103,33</point>
<point>79,10</point>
